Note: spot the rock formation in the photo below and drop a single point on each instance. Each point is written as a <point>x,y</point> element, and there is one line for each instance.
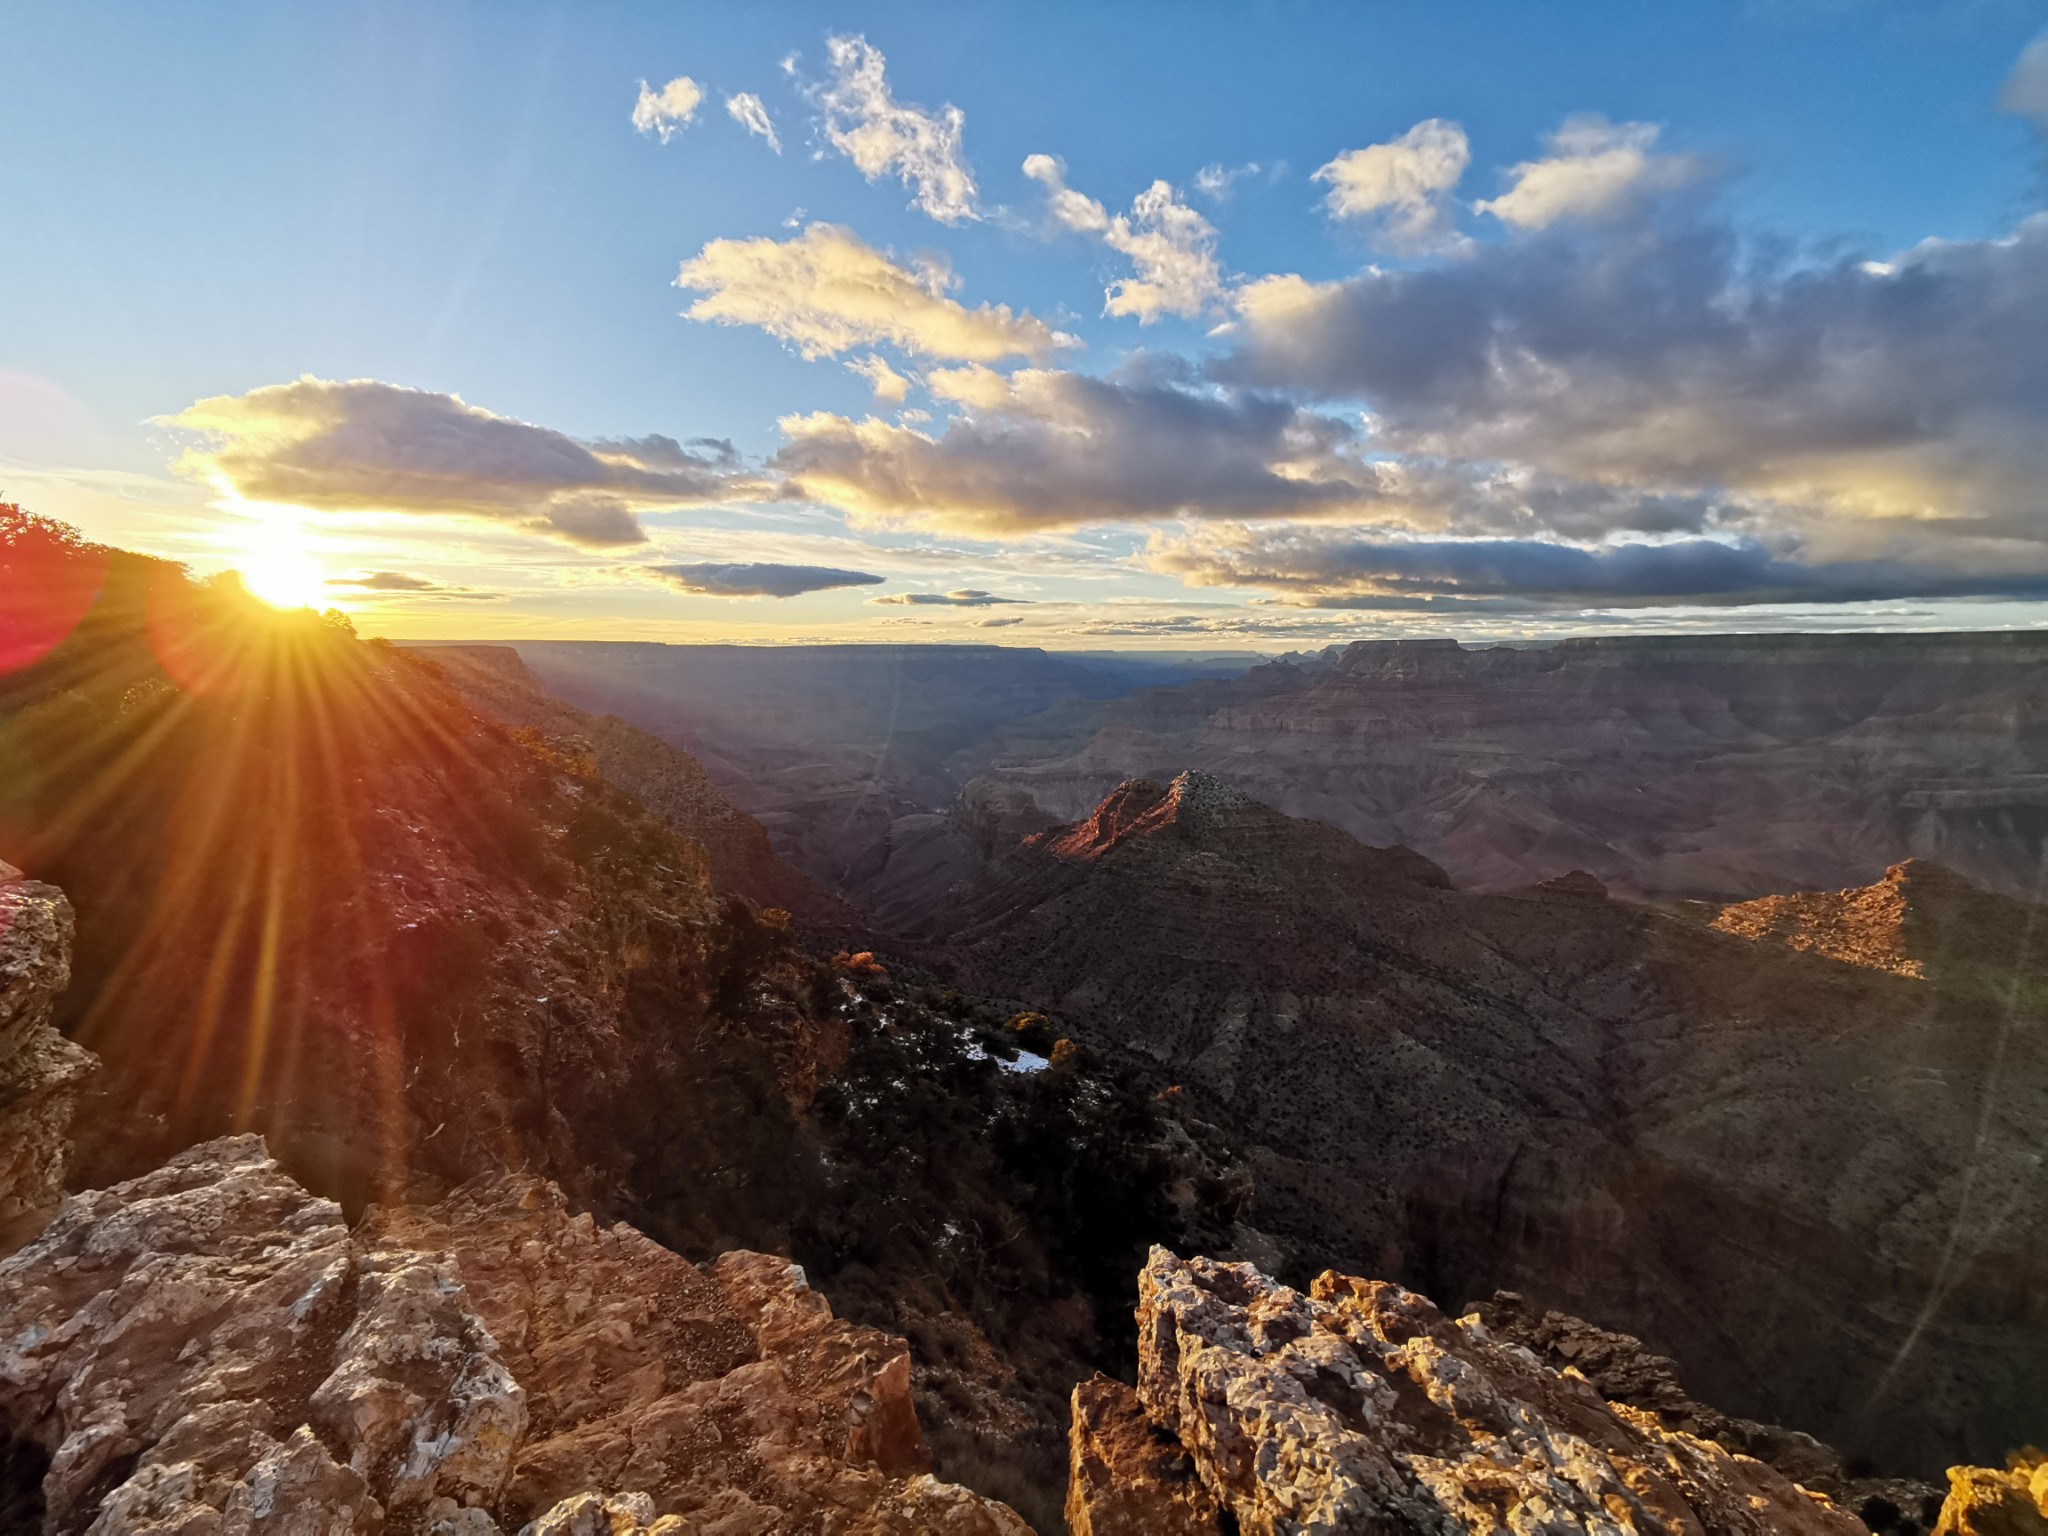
<point>1617,1109</point>
<point>210,1349</point>
<point>41,1073</point>
<point>1985,1501</point>
<point>1717,767</point>
<point>1359,1407</point>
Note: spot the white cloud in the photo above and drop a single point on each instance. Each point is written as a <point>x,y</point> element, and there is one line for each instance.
<point>2026,88</point>
<point>1214,181</point>
<point>883,136</point>
<point>758,578</point>
<point>826,291</point>
<point>886,382</point>
<point>1595,168</point>
<point>1404,184</point>
<point>751,113</point>
<point>1172,246</point>
<point>662,112</point>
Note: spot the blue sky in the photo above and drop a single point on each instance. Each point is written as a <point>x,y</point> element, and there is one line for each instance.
<point>207,201</point>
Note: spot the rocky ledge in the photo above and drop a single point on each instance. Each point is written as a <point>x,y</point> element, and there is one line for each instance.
<point>1359,1407</point>
<point>209,1350</point>
<point>41,1072</point>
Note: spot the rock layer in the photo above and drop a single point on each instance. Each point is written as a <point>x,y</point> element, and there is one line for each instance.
<point>1360,1407</point>
<point>41,1072</point>
<point>209,1350</point>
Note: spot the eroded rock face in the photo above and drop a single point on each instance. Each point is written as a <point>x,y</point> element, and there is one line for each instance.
<point>41,1072</point>
<point>1360,1407</point>
<point>1128,1476</point>
<point>208,1350</point>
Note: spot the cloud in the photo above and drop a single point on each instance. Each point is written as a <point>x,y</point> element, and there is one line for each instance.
<point>826,291</point>
<point>882,136</point>
<point>665,111</point>
<point>366,446</point>
<point>405,584</point>
<point>751,113</point>
<point>1595,168</point>
<point>1358,568</point>
<point>998,623</point>
<point>886,382</point>
<point>2025,92</point>
<point>964,597</point>
<point>1666,356</point>
<point>759,579</point>
<point>1172,246</point>
<point>1214,181</point>
<point>1048,449</point>
<point>1404,185</point>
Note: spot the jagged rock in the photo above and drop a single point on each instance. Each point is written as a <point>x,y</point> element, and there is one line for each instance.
<point>1983,1501</point>
<point>1623,1371</point>
<point>193,1323</point>
<point>1128,1477</point>
<point>208,1351</point>
<point>1360,1407</point>
<point>733,1395</point>
<point>41,1072</point>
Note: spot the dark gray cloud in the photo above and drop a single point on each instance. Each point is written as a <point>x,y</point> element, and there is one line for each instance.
<point>963,597</point>
<point>1340,568</point>
<point>1046,449</point>
<point>1665,355</point>
<point>362,445</point>
<point>759,579</point>
<point>405,584</point>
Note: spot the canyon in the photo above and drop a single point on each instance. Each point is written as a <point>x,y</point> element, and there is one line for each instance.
<point>437,1101</point>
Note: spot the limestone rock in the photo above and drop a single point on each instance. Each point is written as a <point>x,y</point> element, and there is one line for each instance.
<point>731,1398</point>
<point>41,1072</point>
<point>209,1351</point>
<point>1360,1407</point>
<point>1983,1501</point>
<point>1128,1477</point>
<point>200,1323</point>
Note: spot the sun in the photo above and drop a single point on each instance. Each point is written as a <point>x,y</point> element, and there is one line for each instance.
<point>285,578</point>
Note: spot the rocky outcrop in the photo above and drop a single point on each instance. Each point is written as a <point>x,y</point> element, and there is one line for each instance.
<point>1359,1407</point>
<point>210,1350</point>
<point>41,1072</point>
<point>1621,1370</point>
<point>1984,1501</point>
<point>1127,1476</point>
<point>1753,1156</point>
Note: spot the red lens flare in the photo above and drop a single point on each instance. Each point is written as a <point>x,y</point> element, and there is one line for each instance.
<point>49,581</point>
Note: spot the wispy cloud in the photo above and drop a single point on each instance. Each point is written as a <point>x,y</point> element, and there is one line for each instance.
<point>963,597</point>
<point>882,136</point>
<point>751,113</point>
<point>1171,247</point>
<point>1594,168</point>
<point>826,291</point>
<point>759,578</point>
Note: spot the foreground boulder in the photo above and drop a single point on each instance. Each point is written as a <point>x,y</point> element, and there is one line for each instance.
<point>209,1350</point>
<point>1359,1407</point>
<point>41,1072</point>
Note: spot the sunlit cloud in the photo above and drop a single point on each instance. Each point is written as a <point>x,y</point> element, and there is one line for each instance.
<point>964,597</point>
<point>759,579</point>
<point>669,109</point>
<point>889,385</point>
<point>1594,169</point>
<point>366,446</point>
<point>1402,187</point>
<point>882,136</point>
<point>1171,247</point>
<point>751,113</point>
<point>826,291</point>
